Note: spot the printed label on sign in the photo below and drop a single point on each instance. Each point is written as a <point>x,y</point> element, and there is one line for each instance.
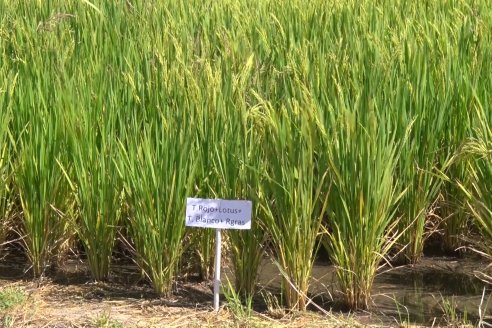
<point>218,213</point>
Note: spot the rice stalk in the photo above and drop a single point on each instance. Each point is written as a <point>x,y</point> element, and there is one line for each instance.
<point>238,162</point>
<point>42,190</point>
<point>295,192</point>
<point>6,192</point>
<point>363,158</point>
<point>477,154</point>
<point>158,176</point>
<point>97,187</point>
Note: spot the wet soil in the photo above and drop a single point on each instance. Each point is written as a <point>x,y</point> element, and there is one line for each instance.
<point>435,292</point>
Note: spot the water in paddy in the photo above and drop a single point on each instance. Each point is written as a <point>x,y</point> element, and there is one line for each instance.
<point>420,294</point>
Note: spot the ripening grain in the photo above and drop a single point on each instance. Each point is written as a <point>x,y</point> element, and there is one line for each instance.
<point>354,124</point>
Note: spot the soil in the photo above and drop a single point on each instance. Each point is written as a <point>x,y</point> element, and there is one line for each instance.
<point>68,297</point>
<point>428,294</point>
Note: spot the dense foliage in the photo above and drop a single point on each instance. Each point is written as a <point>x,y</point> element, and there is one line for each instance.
<point>350,124</point>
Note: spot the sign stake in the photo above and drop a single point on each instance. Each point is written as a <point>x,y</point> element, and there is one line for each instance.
<point>218,243</point>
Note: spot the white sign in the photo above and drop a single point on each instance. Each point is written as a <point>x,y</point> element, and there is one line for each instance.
<point>218,213</point>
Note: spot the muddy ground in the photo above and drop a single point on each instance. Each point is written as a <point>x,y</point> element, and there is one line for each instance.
<point>440,291</point>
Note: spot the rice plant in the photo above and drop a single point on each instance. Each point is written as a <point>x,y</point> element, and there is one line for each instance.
<point>238,162</point>
<point>425,103</point>
<point>229,162</point>
<point>235,163</point>
<point>42,190</point>
<point>158,174</point>
<point>202,240</point>
<point>477,153</point>
<point>419,174</point>
<point>363,157</point>
<point>468,80</point>
<point>296,195</point>
<point>6,192</point>
<point>97,186</point>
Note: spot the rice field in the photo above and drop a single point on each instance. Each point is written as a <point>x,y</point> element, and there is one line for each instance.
<point>360,127</point>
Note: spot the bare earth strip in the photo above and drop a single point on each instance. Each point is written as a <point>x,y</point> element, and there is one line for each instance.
<point>91,305</point>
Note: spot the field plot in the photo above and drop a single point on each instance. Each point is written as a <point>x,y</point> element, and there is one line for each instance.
<point>360,130</point>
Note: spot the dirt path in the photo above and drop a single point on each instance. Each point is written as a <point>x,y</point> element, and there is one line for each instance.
<point>108,305</point>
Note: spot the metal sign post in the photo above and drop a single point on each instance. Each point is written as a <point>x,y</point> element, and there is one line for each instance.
<point>218,243</point>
